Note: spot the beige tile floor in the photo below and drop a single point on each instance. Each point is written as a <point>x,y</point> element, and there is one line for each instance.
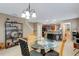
<point>15,51</point>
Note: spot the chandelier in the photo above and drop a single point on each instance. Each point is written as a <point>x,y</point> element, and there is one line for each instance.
<point>28,13</point>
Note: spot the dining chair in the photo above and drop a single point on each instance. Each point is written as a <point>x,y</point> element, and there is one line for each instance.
<point>24,47</point>
<point>25,50</point>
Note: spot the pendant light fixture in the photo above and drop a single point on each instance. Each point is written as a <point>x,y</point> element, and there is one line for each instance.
<point>29,13</point>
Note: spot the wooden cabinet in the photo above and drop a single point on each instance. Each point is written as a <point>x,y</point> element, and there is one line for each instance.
<point>13,30</point>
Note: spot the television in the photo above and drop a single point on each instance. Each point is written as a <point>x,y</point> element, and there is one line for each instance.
<point>77,41</point>
<point>51,36</point>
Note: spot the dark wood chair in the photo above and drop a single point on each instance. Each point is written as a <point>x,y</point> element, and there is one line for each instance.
<point>25,49</point>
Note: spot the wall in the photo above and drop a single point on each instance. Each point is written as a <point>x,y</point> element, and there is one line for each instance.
<point>78,23</point>
<point>74,23</point>
<point>26,27</point>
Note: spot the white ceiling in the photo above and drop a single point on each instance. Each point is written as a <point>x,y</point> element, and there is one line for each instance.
<point>46,12</point>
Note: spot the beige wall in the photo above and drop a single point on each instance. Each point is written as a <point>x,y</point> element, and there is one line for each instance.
<point>27,29</point>
<point>78,23</point>
<point>74,23</point>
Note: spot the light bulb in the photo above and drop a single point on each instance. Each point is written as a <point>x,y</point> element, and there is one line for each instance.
<point>34,14</point>
<point>27,13</point>
<point>23,15</point>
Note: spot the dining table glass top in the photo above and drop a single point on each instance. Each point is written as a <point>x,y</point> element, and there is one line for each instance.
<point>45,44</point>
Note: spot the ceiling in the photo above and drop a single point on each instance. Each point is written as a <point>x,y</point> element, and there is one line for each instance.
<point>46,12</point>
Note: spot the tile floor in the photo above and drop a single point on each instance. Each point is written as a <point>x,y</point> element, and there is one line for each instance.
<point>15,51</point>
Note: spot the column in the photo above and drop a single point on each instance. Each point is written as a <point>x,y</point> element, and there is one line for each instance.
<point>39,31</point>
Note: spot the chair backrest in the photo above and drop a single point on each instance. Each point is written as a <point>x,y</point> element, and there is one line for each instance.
<point>24,47</point>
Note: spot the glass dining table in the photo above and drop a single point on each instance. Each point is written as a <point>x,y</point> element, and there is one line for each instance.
<point>44,45</point>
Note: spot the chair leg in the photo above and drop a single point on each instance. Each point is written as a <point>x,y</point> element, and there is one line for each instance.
<point>43,52</point>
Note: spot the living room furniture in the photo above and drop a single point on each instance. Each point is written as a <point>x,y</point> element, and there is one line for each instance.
<point>75,37</point>
<point>53,36</point>
<point>52,28</point>
<point>44,45</point>
<point>12,30</point>
<point>76,45</point>
<point>24,47</point>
